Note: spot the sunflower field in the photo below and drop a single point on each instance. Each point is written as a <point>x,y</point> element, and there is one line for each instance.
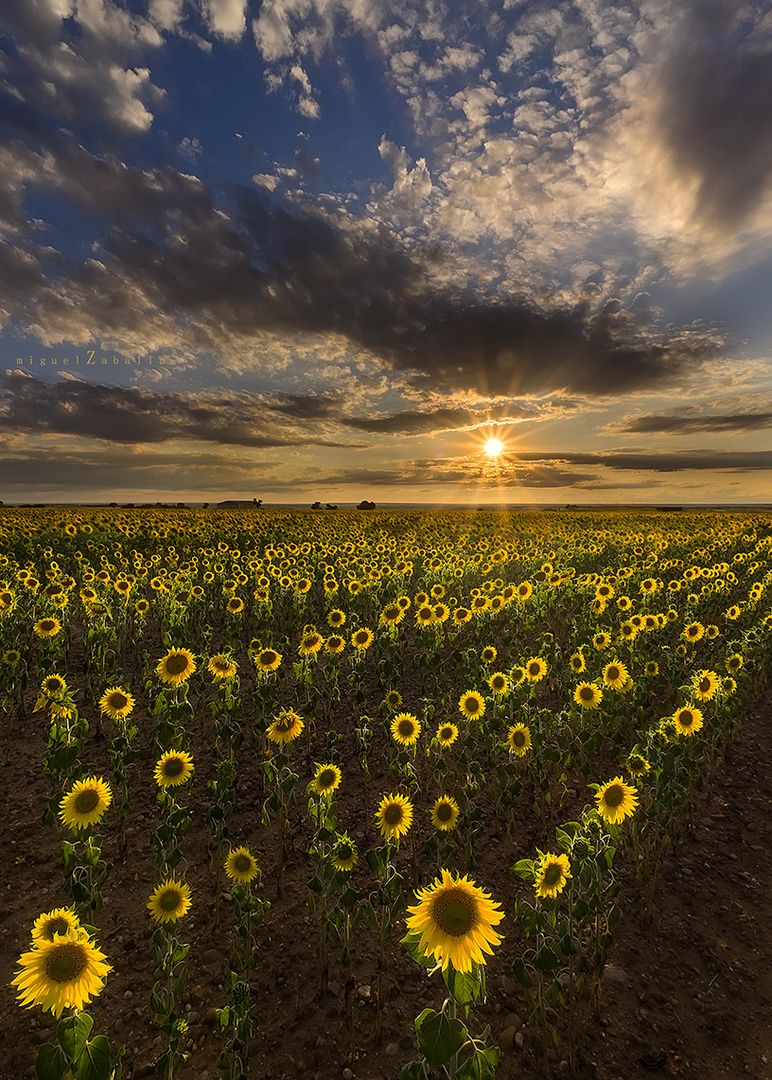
<point>286,791</point>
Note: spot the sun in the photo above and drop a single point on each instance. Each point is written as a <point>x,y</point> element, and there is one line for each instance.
<point>493,447</point>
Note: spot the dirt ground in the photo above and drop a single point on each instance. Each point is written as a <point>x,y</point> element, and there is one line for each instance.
<point>690,996</point>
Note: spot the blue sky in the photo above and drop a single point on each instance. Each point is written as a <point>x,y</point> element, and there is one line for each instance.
<point>366,236</point>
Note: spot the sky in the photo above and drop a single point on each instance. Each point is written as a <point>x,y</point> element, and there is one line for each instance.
<point>306,250</point>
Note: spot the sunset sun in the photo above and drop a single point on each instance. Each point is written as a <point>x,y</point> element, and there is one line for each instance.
<point>493,447</point>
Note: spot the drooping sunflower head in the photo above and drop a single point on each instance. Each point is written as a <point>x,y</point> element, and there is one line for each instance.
<point>241,866</point>
<point>552,875</point>
<point>616,800</point>
<point>222,666</point>
<point>519,740</point>
<point>446,735</point>
<point>310,643</point>
<point>62,921</point>
<point>445,813</point>
<point>472,705</point>
<point>405,729</point>
<point>85,803</point>
<point>173,768</point>
<point>454,922</point>
<point>637,765</point>
<point>394,816</point>
<point>286,727</point>
<point>116,703</point>
<point>169,901</point>
<point>344,854</point>
<point>176,667</point>
<point>66,972</point>
<point>326,779</point>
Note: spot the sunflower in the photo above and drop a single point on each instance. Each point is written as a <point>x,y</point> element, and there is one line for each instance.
<point>393,699</point>
<point>362,639</point>
<point>588,695</point>
<point>615,675</point>
<point>142,607</point>
<point>424,615</point>
<point>310,644</point>
<point>405,729</point>
<point>601,641</point>
<point>652,668</point>
<point>116,703</point>
<point>519,740</point>
<point>394,816</point>
<point>445,813</point>
<point>47,628</point>
<point>446,735</point>
<point>734,663</point>
<point>222,666</point>
<point>85,803</point>
<point>616,800</point>
<point>176,667</point>
<point>499,683</point>
<point>241,866</point>
<point>688,720</point>
<point>461,615</point>
<point>524,590</point>
<point>53,684</point>
<point>472,705</point>
<point>169,901</point>
<point>62,921</point>
<point>267,660</point>
<point>552,875</point>
<point>334,644</point>
<point>61,974</point>
<point>488,654</point>
<point>344,854</point>
<point>535,669</point>
<point>706,684</point>
<point>11,657</point>
<point>286,727</point>
<point>577,663</point>
<point>455,921</point>
<point>693,632</point>
<point>637,765</point>
<point>391,615</point>
<point>173,768</point>
<point>326,779</point>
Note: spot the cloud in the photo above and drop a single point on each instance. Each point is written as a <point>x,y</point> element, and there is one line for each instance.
<point>687,424</point>
<point>662,461</point>
<point>136,416</point>
<point>227,18</point>
<point>407,422</point>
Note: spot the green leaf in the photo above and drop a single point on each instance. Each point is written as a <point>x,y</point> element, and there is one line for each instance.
<point>481,1066</point>
<point>521,973</point>
<point>73,1032</point>
<point>524,869</point>
<point>466,988</point>
<point>414,1070</point>
<point>51,1062</point>
<point>439,1037</point>
<point>614,915</point>
<point>412,943</point>
<point>94,1060</point>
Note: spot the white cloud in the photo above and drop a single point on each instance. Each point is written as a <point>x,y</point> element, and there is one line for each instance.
<point>227,18</point>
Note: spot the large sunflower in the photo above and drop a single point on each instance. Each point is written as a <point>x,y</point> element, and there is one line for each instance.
<point>394,816</point>
<point>173,768</point>
<point>48,627</point>
<point>552,874</point>
<point>176,667</point>
<point>85,803</point>
<point>362,639</point>
<point>445,813</point>
<point>616,800</point>
<point>116,703</point>
<point>588,695</point>
<point>446,735</point>
<point>535,669</point>
<point>688,720</point>
<point>615,675</point>
<point>455,921</point>
<point>61,974</point>
<point>241,866</point>
<point>267,660</point>
<point>61,921</point>
<point>405,729</point>
<point>326,779</point>
<point>169,901</point>
<point>472,705</point>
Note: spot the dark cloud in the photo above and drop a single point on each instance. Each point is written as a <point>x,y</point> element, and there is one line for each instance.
<point>658,423</point>
<point>306,407</point>
<point>716,110</point>
<point>665,461</point>
<point>130,415</point>
<point>409,422</point>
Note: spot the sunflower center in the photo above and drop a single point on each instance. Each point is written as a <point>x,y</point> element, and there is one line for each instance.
<point>177,663</point>
<point>66,963</point>
<point>587,693</point>
<point>87,801</point>
<point>268,657</point>
<point>170,900</point>
<point>118,701</point>
<point>173,766</point>
<point>552,875</point>
<point>613,674</point>
<point>242,864</point>
<point>406,728</point>
<point>344,852</point>
<point>444,812</point>
<point>614,796</point>
<point>473,704</point>
<point>686,718</point>
<point>393,814</point>
<point>326,778</point>
<point>518,738</point>
<point>455,912</point>
<point>704,686</point>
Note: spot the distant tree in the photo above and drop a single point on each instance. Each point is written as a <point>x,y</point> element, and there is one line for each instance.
<point>316,506</point>
<point>365,505</point>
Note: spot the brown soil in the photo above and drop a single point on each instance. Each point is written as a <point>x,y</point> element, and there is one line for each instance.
<point>691,994</point>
